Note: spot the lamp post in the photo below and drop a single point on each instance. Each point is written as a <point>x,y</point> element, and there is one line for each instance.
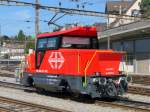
<point>0,30</point>
<point>37,15</point>
<point>108,22</point>
<point>0,42</point>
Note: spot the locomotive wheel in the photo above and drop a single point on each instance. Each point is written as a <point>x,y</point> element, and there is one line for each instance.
<point>76,95</point>
<point>30,81</point>
<point>111,90</point>
<point>40,90</point>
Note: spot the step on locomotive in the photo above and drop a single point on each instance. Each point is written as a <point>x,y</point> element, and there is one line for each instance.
<point>69,60</point>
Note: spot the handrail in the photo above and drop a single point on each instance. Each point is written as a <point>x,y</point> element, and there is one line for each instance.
<point>86,68</point>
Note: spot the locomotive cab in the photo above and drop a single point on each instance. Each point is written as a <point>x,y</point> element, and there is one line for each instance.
<point>70,42</point>
<point>66,42</point>
<point>55,43</point>
<point>70,60</point>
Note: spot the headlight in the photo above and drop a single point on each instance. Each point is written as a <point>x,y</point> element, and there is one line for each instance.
<point>102,81</point>
<point>95,80</point>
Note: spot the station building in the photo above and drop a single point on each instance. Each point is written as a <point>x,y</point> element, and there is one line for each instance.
<point>130,36</point>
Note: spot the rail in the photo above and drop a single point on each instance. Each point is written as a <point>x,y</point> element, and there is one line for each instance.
<point>120,102</point>
<point>127,104</point>
<point>21,106</point>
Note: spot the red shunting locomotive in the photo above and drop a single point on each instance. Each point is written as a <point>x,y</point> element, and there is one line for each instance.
<point>69,60</point>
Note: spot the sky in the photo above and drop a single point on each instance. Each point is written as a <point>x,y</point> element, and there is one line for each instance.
<point>12,18</point>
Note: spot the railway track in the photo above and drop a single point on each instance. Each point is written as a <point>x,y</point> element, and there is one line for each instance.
<point>141,79</point>
<point>16,86</point>
<point>11,105</point>
<point>127,104</point>
<point>144,85</point>
<point>121,102</point>
<point>139,90</point>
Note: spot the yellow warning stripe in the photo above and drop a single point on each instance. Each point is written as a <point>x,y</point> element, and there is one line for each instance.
<point>87,66</point>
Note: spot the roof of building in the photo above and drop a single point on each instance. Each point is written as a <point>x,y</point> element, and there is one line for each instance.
<point>100,26</point>
<point>113,7</point>
<point>136,29</point>
<point>75,31</point>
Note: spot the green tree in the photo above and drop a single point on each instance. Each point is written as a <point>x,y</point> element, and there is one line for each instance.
<point>145,8</point>
<point>21,36</point>
<point>28,41</point>
<point>29,45</point>
<point>30,37</point>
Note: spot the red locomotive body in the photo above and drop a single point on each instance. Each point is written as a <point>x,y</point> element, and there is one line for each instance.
<point>69,60</point>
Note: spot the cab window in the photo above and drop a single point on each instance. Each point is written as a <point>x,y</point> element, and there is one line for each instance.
<point>79,43</point>
<point>51,42</point>
<point>42,43</point>
<point>47,43</point>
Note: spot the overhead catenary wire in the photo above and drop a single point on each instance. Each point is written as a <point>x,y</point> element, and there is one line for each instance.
<point>70,10</point>
<point>52,18</point>
<point>20,20</point>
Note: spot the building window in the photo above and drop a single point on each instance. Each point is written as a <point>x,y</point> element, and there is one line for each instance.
<point>142,46</point>
<point>135,13</point>
<point>126,46</point>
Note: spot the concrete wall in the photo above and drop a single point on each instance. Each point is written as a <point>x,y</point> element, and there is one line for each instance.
<point>143,63</point>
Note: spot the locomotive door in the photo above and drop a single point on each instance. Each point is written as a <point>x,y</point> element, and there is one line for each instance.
<point>39,57</point>
<point>44,46</point>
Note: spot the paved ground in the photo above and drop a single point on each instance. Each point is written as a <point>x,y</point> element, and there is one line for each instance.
<point>9,79</point>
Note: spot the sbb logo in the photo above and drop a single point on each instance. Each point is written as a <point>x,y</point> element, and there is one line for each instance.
<point>56,60</point>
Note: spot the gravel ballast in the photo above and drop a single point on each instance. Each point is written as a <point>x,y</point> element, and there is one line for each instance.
<point>136,97</point>
<point>55,102</point>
